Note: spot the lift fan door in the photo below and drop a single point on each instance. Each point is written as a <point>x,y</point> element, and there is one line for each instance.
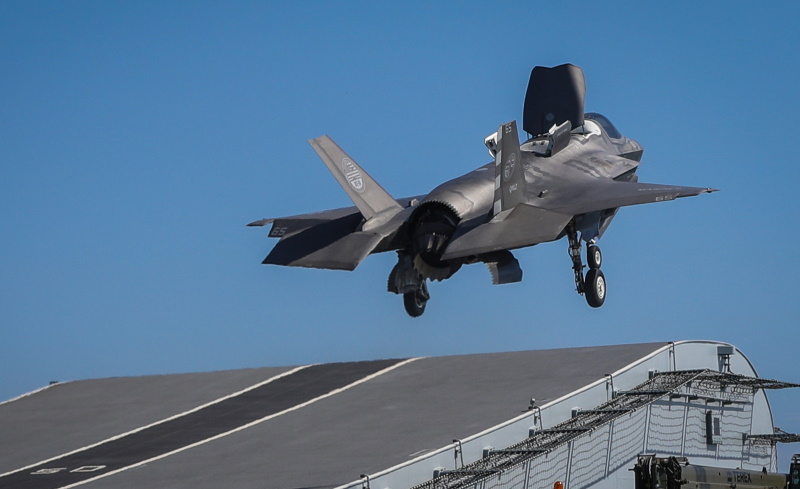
<point>555,95</point>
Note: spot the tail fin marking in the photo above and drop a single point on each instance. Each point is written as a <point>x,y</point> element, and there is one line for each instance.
<point>509,176</point>
<point>370,198</point>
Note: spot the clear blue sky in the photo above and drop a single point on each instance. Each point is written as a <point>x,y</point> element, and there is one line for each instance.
<point>138,139</point>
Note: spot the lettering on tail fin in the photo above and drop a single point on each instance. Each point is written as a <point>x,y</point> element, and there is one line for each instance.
<point>370,198</point>
<point>508,167</point>
<point>509,182</point>
<point>352,175</point>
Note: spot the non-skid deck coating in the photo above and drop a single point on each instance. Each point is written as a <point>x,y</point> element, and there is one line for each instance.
<point>276,396</point>
<point>71,415</point>
<point>385,421</point>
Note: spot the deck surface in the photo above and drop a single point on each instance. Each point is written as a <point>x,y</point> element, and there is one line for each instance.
<point>310,427</point>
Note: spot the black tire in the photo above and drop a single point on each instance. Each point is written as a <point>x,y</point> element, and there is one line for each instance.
<point>593,256</point>
<point>594,287</point>
<point>414,304</point>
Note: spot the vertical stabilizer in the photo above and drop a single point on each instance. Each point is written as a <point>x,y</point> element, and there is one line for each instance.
<point>509,176</point>
<point>370,198</point>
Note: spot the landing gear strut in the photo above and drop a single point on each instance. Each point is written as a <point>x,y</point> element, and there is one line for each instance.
<point>593,286</point>
<point>575,255</point>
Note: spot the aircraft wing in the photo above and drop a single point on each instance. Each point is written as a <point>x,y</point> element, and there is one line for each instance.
<point>610,194</point>
<point>526,225</point>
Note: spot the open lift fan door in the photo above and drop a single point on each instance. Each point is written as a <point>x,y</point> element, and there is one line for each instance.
<point>555,95</point>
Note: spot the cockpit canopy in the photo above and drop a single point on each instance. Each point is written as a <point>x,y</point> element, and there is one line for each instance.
<point>606,124</point>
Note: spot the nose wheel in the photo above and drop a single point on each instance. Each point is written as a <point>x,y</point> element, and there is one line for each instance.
<point>593,285</point>
<point>593,256</point>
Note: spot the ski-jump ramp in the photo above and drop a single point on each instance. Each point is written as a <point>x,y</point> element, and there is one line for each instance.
<point>394,423</point>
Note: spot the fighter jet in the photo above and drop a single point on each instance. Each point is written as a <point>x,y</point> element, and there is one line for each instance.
<point>568,179</point>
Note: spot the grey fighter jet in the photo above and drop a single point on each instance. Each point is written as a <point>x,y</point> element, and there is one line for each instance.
<point>568,179</point>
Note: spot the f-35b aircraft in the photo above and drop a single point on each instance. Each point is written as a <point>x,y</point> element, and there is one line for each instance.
<point>570,177</point>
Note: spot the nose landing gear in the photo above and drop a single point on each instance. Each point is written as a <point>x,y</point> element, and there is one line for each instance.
<point>593,286</point>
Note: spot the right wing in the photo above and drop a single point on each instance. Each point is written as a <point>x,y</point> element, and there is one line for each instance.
<point>527,225</point>
<point>610,194</point>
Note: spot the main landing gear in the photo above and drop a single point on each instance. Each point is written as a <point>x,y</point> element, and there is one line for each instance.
<point>415,301</point>
<point>593,286</point>
<point>405,279</point>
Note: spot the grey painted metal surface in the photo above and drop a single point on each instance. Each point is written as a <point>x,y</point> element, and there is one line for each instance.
<point>385,421</point>
<point>571,177</point>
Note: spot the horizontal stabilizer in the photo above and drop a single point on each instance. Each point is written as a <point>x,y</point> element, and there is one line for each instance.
<point>344,253</point>
<point>332,239</point>
<point>370,198</point>
<point>345,218</point>
<point>289,225</point>
<point>313,241</point>
<point>525,225</point>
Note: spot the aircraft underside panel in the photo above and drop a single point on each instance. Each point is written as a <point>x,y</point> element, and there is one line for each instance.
<point>523,226</point>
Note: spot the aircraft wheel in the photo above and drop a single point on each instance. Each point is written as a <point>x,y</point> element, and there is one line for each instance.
<point>594,287</point>
<point>414,304</point>
<point>593,256</point>
<point>416,301</point>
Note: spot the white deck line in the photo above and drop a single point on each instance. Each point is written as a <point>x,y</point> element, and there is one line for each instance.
<point>244,427</point>
<point>451,446</point>
<point>116,437</point>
